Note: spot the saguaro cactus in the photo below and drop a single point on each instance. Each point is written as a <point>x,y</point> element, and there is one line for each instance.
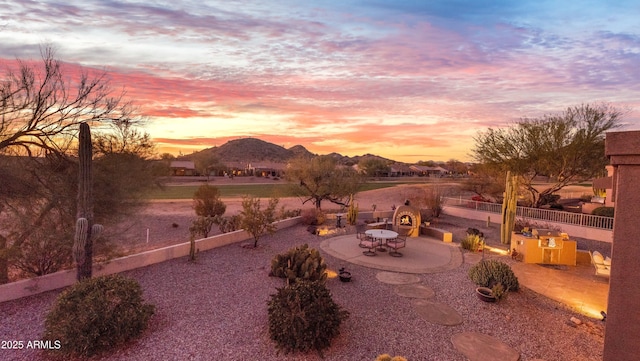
<point>352,211</point>
<point>509,208</point>
<point>81,238</point>
<point>86,231</point>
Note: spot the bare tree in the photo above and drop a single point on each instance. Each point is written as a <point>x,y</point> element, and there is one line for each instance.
<point>41,108</point>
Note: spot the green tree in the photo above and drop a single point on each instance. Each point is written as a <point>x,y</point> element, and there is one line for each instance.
<point>568,148</point>
<point>427,163</point>
<point>486,182</point>
<point>206,162</point>
<point>321,179</point>
<point>374,167</point>
<point>207,203</point>
<point>256,221</point>
<point>456,167</point>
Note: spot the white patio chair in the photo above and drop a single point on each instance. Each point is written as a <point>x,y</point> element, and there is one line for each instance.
<point>601,264</point>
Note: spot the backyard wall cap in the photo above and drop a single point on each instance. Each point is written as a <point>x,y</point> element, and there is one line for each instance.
<point>623,147</point>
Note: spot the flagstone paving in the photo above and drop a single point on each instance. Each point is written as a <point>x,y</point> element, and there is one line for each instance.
<point>436,312</point>
<point>414,291</point>
<point>395,278</point>
<point>480,347</point>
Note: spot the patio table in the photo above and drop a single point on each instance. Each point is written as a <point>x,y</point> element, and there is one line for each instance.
<point>383,235</point>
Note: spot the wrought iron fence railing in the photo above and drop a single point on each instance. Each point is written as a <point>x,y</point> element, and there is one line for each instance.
<point>549,215</point>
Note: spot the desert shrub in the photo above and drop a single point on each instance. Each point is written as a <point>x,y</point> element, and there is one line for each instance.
<point>549,199</point>
<point>44,251</point>
<point>522,223</point>
<point>96,315</point>
<point>256,220</point>
<point>488,273</point>
<point>313,216</point>
<point>586,198</point>
<point>603,211</point>
<point>228,224</point>
<point>299,263</point>
<point>434,201</point>
<point>288,213</point>
<point>426,214</point>
<point>201,227</point>
<point>471,242</point>
<point>304,317</point>
<point>475,232</point>
<point>207,203</point>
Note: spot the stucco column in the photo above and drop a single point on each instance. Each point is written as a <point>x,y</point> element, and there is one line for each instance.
<point>622,332</point>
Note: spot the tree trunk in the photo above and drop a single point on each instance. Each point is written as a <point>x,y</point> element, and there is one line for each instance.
<point>4,262</point>
<point>85,199</point>
<point>509,204</point>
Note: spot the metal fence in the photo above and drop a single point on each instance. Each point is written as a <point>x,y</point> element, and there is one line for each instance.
<point>549,215</point>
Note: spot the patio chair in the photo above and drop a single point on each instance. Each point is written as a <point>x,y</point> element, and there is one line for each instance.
<point>370,243</point>
<point>360,235</point>
<point>398,242</point>
<point>601,264</point>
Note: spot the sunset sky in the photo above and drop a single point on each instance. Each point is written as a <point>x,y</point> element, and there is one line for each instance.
<point>408,80</point>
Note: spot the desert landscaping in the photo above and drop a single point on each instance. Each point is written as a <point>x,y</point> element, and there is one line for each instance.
<point>216,307</point>
<point>168,220</point>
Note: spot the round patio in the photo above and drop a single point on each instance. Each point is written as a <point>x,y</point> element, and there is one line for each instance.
<point>421,255</point>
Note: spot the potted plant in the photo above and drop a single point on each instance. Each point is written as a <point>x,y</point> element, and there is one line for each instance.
<point>345,276</point>
<point>485,294</point>
<point>494,280</point>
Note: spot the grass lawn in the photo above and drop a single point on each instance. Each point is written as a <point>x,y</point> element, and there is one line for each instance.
<point>279,190</point>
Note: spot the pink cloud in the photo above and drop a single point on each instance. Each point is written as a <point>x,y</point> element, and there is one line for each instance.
<point>376,79</point>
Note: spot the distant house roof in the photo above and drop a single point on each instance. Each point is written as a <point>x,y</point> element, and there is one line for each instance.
<point>400,168</point>
<point>186,164</point>
<point>425,169</point>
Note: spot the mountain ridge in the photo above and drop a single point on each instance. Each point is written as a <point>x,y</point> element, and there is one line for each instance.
<point>257,150</point>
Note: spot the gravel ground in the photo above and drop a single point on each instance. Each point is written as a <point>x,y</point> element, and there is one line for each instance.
<point>216,309</point>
